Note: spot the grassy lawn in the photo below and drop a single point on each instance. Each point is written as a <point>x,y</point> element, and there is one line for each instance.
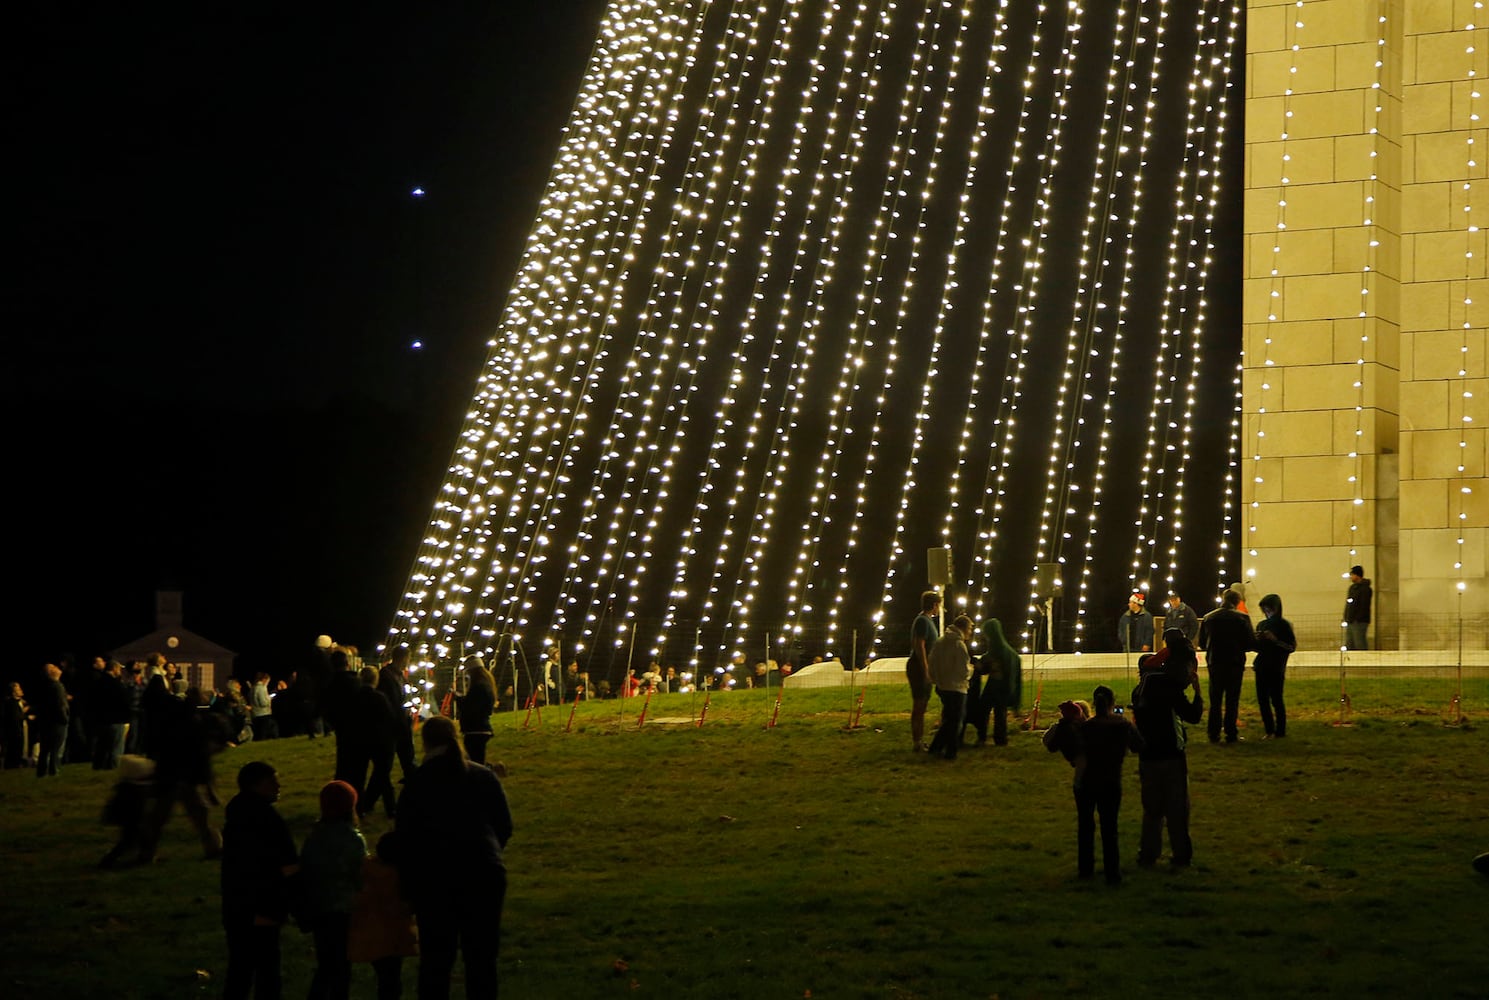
<point>736,860</point>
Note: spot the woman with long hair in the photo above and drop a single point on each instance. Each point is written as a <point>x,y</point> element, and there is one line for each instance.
<point>455,822</point>
<point>474,708</point>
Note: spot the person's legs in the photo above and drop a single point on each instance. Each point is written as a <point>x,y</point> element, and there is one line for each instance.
<point>1176,808</point>
<point>917,720</point>
<point>438,934</point>
<point>1085,832</point>
<point>1233,702</point>
<point>1000,722</point>
<point>1264,684</point>
<point>1279,682</point>
<point>1108,803</point>
<point>475,746</point>
<point>977,716</point>
<point>237,981</point>
<point>480,940</point>
<point>267,984</point>
<point>380,785</point>
<point>1217,693</point>
<point>196,812</point>
<point>389,973</point>
<point>1151,793</point>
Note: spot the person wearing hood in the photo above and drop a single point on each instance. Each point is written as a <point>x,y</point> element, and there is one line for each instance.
<point>996,685</point>
<point>1275,641</point>
<point>1357,610</point>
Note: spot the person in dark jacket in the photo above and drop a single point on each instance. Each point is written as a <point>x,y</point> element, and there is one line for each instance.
<point>474,709</point>
<point>996,685</point>
<point>1226,636</point>
<point>457,891</point>
<point>368,730</point>
<point>189,735</point>
<point>109,703</point>
<point>392,681</point>
<point>1135,627</point>
<point>50,709</point>
<point>1275,642</point>
<point>1182,617</point>
<point>1357,610</point>
<point>258,866</point>
<point>1160,709</point>
<point>1105,739</point>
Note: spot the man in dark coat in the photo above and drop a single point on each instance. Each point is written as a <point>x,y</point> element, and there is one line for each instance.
<point>1357,610</point>
<point>109,704</point>
<point>1275,642</point>
<point>1226,636</point>
<point>258,862</point>
<point>50,708</point>
<point>392,681</point>
<point>366,728</point>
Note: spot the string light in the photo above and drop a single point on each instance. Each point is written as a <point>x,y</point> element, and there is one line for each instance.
<point>589,459</point>
<point>1471,271</point>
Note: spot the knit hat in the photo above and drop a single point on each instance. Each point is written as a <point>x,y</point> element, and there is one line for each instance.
<point>338,800</point>
<point>1139,598</point>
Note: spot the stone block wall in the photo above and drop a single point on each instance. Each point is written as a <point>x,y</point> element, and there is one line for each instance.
<point>1365,391</point>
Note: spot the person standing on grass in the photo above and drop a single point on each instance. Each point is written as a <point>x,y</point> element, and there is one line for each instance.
<point>1357,610</point>
<point>457,891</point>
<point>50,710</point>
<point>923,635</point>
<point>331,866</point>
<point>368,727</point>
<point>996,685</point>
<point>1106,737</point>
<point>258,864</point>
<point>474,708</point>
<point>951,670</point>
<point>1226,636</point>
<point>392,681</point>
<point>1275,642</point>
<point>1160,708</point>
<point>382,929</point>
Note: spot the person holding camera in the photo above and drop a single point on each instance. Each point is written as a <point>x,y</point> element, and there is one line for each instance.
<point>1160,706</point>
<point>1106,737</point>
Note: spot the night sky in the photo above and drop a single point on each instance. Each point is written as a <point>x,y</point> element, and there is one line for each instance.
<point>211,384</point>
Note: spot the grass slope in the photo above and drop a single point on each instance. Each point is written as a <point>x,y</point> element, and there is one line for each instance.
<point>736,860</point>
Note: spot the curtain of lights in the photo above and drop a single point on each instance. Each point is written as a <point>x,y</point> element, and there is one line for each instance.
<point>816,287</point>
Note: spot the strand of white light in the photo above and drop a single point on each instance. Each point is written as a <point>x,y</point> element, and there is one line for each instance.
<point>430,631</point>
<point>992,69</point>
<point>1216,133</point>
<point>1367,274</point>
<point>882,230</point>
<point>534,404</point>
<point>859,357</point>
<point>1257,472</point>
<point>786,189</point>
<point>710,277</point>
<point>723,91</point>
<point>1066,506</point>
<point>591,385</point>
<point>950,284</point>
<point>1028,286</point>
<point>1163,457</point>
<point>817,280</point>
<point>1067,421</point>
<point>1001,447</point>
<point>587,332</point>
<point>1470,273</point>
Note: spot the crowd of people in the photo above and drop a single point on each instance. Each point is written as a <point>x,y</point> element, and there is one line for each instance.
<point>1096,736</point>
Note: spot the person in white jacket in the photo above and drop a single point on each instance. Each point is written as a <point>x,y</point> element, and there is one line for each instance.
<point>951,669</point>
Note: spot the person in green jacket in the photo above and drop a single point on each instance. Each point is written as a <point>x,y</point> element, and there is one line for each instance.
<point>331,873</point>
<point>996,687</point>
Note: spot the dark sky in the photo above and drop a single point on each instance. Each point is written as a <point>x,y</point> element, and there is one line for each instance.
<point>210,382</point>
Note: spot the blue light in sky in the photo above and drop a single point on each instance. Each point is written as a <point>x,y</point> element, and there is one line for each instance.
<point>417,192</point>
